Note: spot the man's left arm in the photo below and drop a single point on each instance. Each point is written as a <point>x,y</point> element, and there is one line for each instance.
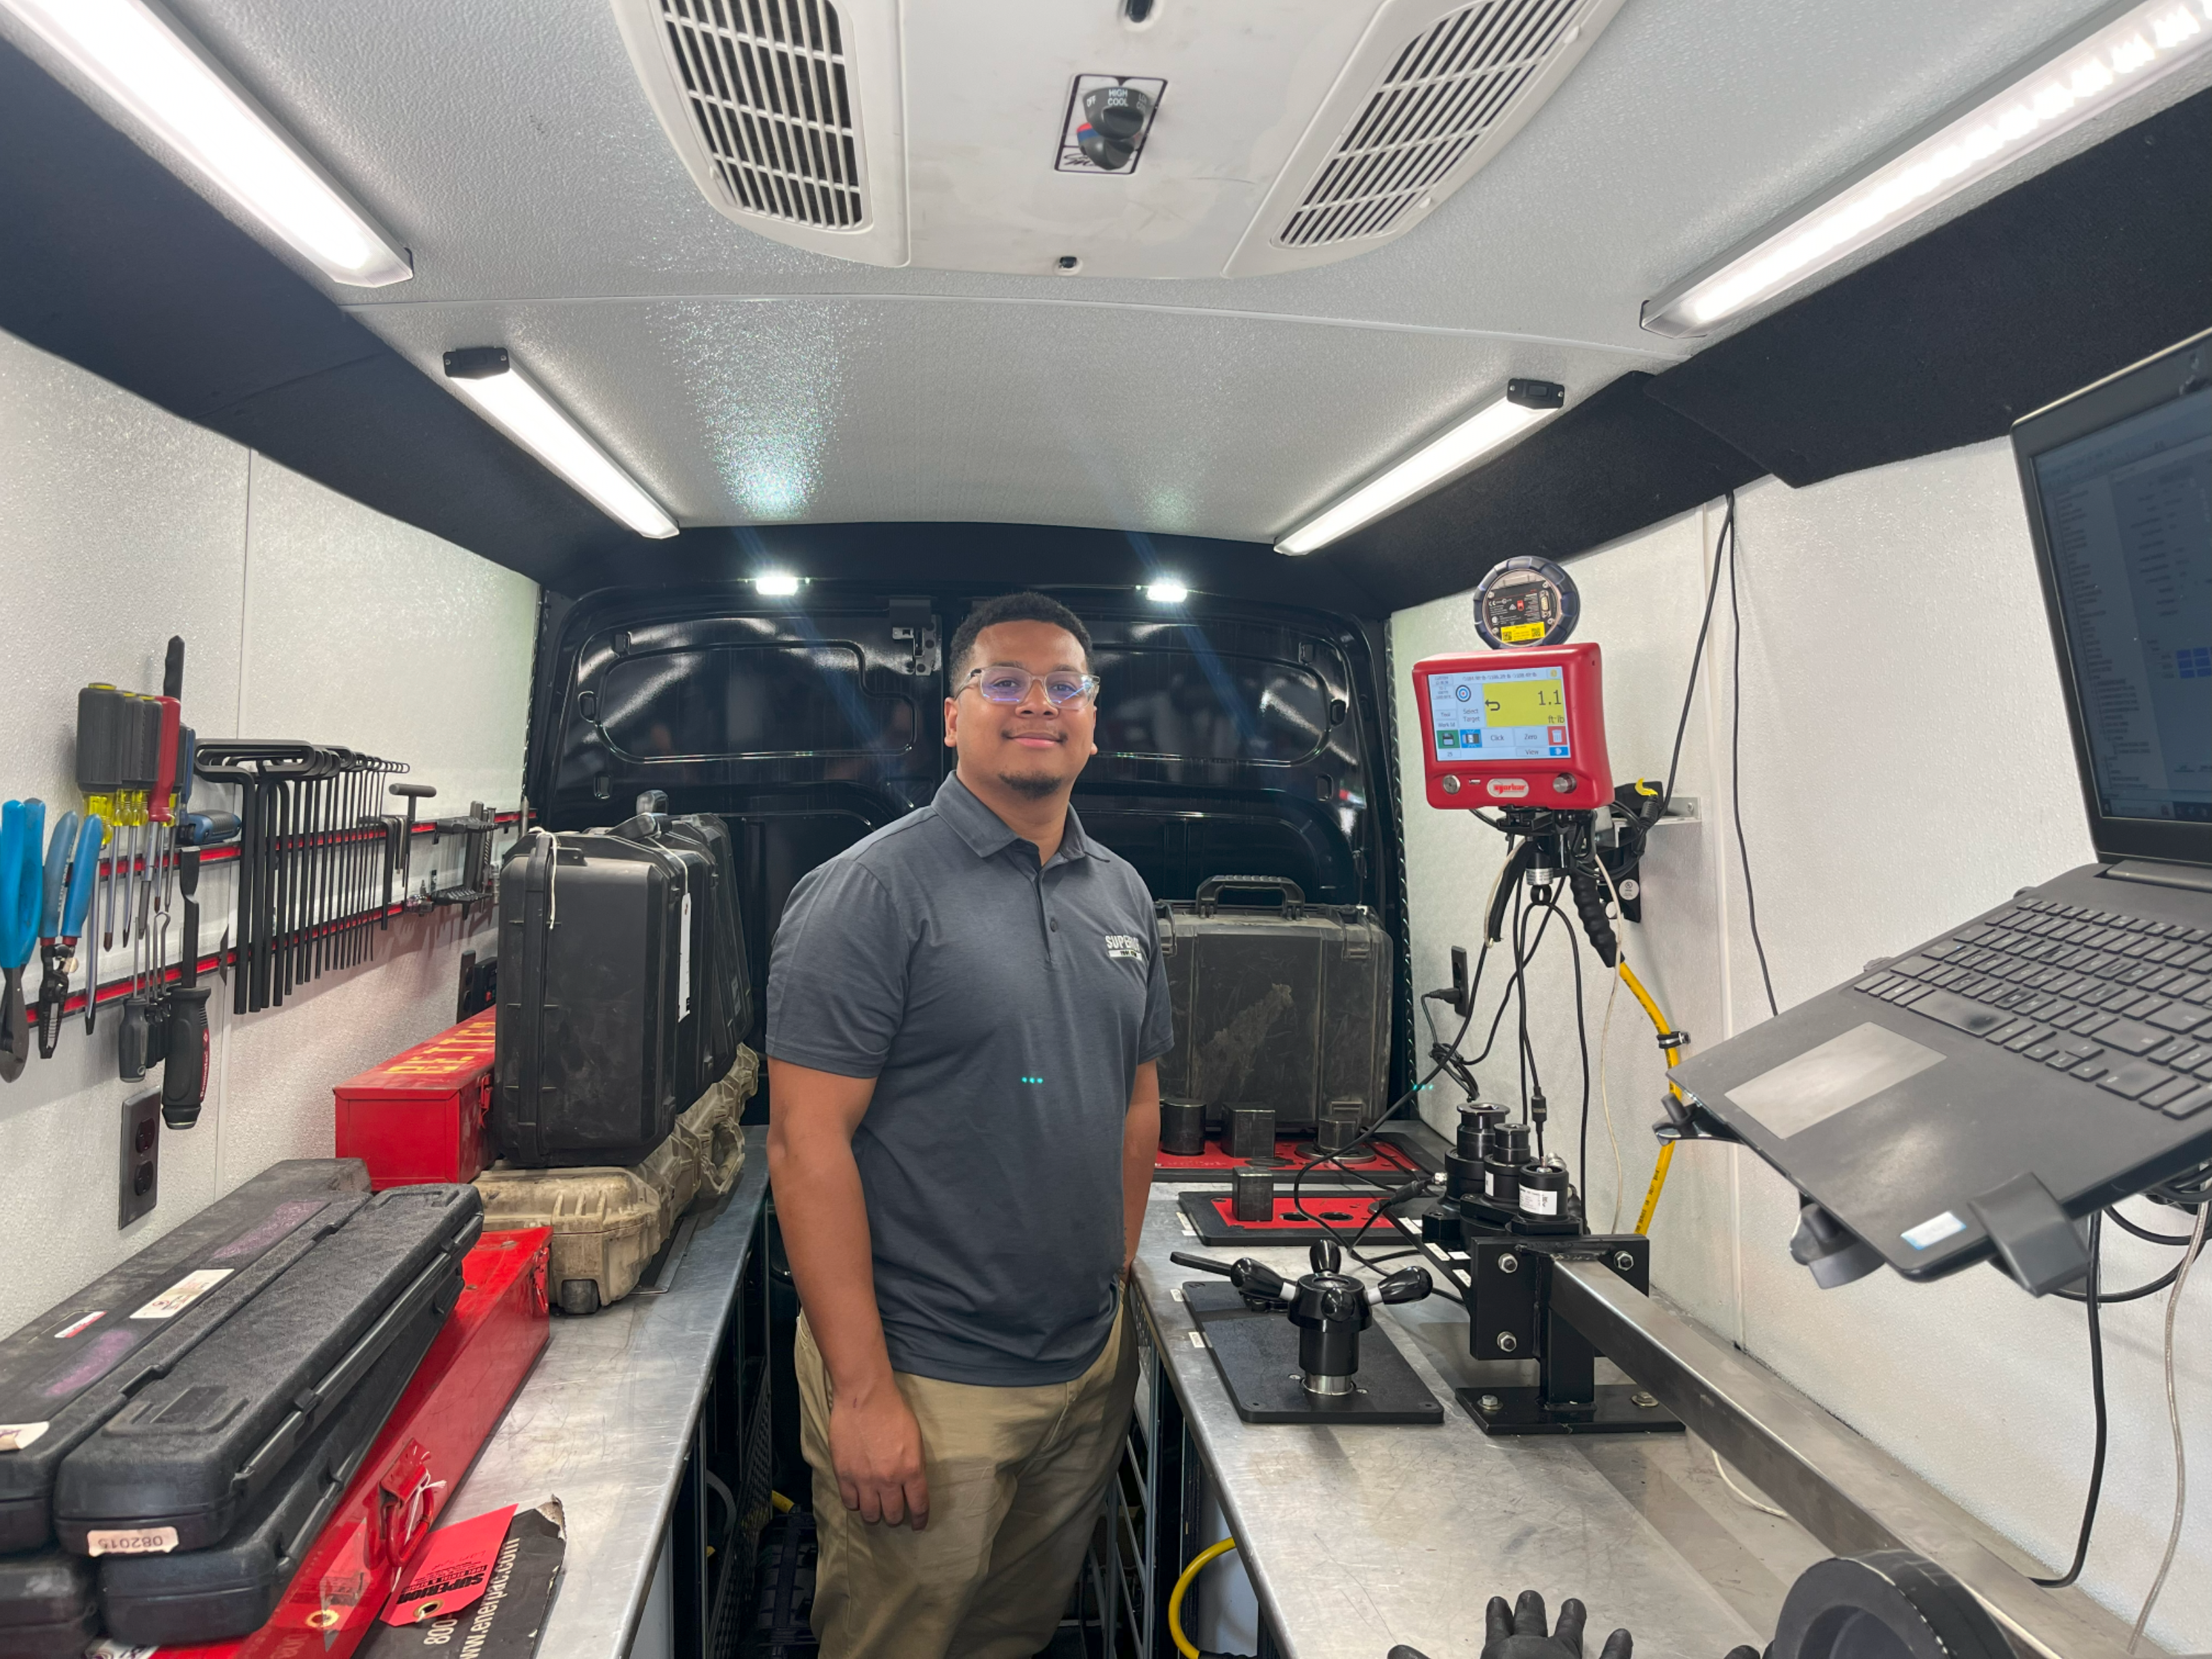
<point>1140,1146</point>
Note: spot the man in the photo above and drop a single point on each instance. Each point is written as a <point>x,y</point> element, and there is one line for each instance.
<point>963,1015</point>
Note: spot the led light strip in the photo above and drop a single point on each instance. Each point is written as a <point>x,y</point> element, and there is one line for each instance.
<point>2130,47</point>
<point>1490,427</point>
<point>512,401</point>
<point>139,57</point>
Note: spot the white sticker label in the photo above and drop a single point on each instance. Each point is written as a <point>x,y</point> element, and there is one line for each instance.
<point>135,1540</point>
<point>14,1437</point>
<point>1535,1201</point>
<point>74,1326</point>
<point>1934,1231</point>
<point>1197,1338</point>
<point>1489,1184</point>
<point>684,965</point>
<point>180,1295</point>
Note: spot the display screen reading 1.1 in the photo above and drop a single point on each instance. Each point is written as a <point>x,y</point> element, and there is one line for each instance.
<point>1500,714</point>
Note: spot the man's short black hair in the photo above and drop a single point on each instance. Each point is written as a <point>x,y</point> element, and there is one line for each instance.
<point>1012,607</point>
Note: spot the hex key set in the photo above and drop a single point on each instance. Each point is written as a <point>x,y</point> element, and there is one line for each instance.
<point>314,854</point>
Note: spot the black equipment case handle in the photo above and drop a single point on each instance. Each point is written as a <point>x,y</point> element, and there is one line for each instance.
<point>1210,890</point>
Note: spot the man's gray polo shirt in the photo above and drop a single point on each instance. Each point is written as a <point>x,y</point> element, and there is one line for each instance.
<point>1003,1011</point>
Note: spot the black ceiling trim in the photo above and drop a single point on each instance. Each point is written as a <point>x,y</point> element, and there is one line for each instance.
<point>992,555</point>
<point>111,262</point>
<point>1612,464</point>
<point>2095,264</point>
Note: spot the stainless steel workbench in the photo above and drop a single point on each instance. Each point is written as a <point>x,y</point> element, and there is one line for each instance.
<point>1358,1538</point>
<point>604,1424</point>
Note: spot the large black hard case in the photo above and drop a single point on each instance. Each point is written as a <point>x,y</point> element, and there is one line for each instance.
<point>48,1606</point>
<point>233,1588</point>
<point>1284,1005</point>
<point>176,1467</point>
<point>610,1031</point>
<point>588,1066</point>
<point>75,1366</point>
<point>725,980</point>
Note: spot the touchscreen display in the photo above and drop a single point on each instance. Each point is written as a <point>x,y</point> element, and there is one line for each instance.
<point>1500,714</point>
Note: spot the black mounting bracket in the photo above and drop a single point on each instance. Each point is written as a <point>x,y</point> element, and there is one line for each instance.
<point>1511,1316</point>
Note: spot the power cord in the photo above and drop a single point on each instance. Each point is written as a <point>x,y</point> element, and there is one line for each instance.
<point>2173,1419</point>
<point>2097,1402</point>
<point>1736,749</point>
<point>1697,661</point>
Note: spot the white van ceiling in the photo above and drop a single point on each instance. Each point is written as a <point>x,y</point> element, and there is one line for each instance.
<point>508,143</point>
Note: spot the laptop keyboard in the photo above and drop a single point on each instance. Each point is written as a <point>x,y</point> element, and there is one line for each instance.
<point>2114,1000</point>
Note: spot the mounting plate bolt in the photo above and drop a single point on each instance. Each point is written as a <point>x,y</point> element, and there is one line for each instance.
<point>1624,1261</point>
<point>1488,1404</point>
<point>1509,1263</point>
<point>1507,1342</point>
<point>1646,1401</point>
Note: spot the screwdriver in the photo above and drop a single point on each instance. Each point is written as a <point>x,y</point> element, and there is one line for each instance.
<point>101,711</point>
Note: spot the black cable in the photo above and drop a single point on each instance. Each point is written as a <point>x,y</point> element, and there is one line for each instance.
<point>2097,1401</point>
<point>1696,660</point>
<point>2145,1232</point>
<point>2105,1300</point>
<point>1582,1043</point>
<point>1736,754</point>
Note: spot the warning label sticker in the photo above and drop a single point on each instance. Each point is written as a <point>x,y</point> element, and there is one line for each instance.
<point>180,1295</point>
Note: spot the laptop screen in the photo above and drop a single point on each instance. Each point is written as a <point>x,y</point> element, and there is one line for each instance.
<point>2128,513</point>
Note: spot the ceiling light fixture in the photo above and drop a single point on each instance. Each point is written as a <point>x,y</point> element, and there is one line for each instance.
<point>2113,56</point>
<point>511,400</point>
<point>1166,591</point>
<point>139,57</point>
<point>776,585</point>
<point>1490,427</point>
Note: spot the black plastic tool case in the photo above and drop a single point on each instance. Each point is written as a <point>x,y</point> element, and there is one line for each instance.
<point>725,980</point>
<point>586,1067</point>
<point>1284,1005</point>
<point>47,1609</point>
<point>75,1366</point>
<point>179,1464</point>
<point>231,1588</point>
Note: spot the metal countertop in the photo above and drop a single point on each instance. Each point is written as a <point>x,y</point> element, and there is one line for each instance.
<point>1355,1538</point>
<point>603,1423</point>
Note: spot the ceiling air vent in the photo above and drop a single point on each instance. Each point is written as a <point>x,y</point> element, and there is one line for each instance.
<point>1284,134</point>
<point>767,84</point>
<point>1448,90</point>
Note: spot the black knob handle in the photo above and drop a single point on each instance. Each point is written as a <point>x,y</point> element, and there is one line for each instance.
<point>185,1074</point>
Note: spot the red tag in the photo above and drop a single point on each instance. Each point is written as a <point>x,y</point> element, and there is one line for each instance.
<point>455,1566</point>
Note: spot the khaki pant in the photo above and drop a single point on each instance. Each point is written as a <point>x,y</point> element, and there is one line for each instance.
<point>1015,1479</point>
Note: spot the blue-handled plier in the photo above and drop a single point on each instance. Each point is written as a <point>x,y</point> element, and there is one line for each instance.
<point>72,871</point>
<point>23,827</point>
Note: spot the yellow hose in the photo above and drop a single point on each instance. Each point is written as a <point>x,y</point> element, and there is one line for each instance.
<point>1184,1645</point>
<point>1667,1151</point>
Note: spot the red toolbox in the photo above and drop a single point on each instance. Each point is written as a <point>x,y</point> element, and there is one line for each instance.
<point>420,1116</point>
<point>459,1393</point>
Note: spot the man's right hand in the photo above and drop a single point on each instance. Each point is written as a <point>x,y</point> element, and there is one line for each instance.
<point>875,1445</point>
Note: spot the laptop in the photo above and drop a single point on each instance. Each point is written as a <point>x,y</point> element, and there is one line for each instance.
<point>2062,1039</point>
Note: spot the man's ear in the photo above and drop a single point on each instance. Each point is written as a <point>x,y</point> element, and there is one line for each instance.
<point>952,724</point>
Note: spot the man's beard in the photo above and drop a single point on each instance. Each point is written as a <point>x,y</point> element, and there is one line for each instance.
<point>1035,785</point>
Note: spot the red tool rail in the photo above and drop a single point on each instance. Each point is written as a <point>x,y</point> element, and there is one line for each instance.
<point>116,990</point>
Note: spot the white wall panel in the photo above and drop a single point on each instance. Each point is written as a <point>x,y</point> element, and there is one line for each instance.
<point>1905,763</point>
<point>304,615</point>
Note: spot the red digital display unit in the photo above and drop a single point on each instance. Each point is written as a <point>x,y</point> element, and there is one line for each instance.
<point>1514,728</point>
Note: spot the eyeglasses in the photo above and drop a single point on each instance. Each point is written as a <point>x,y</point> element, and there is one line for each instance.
<point>1002,683</point>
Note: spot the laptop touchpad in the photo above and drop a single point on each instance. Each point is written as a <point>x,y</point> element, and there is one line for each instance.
<point>1842,1072</point>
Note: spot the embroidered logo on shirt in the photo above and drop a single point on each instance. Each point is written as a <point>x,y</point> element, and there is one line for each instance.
<point>1123,947</point>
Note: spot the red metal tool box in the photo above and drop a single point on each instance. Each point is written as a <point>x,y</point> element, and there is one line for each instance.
<point>459,1395</point>
<point>420,1116</point>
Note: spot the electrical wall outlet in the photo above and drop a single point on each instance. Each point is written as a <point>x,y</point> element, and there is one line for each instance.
<point>139,1186</point>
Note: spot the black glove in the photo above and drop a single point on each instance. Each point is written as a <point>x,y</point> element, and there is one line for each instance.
<point>1518,1633</point>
